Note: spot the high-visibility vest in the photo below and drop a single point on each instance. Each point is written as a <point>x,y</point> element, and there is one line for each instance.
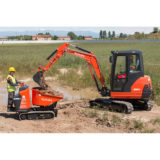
<point>11,88</point>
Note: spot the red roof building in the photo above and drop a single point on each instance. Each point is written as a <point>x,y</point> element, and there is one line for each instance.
<point>88,38</point>
<point>3,38</point>
<point>64,38</point>
<point>41,37</point>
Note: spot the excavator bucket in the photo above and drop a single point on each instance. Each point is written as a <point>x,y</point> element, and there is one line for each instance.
<point>39,79</point>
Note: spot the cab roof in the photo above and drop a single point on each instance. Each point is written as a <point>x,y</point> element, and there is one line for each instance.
<point>127,52</point>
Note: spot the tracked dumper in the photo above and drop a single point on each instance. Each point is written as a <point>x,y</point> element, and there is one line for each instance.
<point>42,105</point>
<point>129,87</point>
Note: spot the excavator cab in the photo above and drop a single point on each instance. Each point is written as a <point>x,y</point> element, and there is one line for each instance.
<point>127,67</point>
<point>127,76</point>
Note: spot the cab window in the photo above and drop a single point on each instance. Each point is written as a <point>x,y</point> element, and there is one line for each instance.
<point>120,73</point>
<point>120,65</point>
<point>134,63</point>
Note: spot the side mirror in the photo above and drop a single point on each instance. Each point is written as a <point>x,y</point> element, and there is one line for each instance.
<point>111,59</point>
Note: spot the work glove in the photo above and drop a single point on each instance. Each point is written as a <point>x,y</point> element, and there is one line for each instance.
<point>21,84</point>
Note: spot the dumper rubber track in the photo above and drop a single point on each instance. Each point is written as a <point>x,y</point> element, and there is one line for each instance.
<point>36,115</point>
<point>113,105</point>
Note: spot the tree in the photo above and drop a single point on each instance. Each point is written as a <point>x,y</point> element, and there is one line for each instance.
<point>125,35</point>
<point>109,34</point>
<point>155,30</point>
<point>40,33</point>
<point>26,37</point>
<point>100,34</point>
<point>47,33</point>
<point>104,35</point>
<point>139,35</point>
<point>143,35</point>
<point>80,37</point>
<point>121,35</point>
<point>113,34</point>
<point>54,37</point>
<point>72,35</point>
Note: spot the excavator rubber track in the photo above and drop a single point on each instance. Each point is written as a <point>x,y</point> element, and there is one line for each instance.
<point>148,106</point>
<point>36,115</point>
<point>145,105</point>
<point>113,105</point>
<point>123,106</point>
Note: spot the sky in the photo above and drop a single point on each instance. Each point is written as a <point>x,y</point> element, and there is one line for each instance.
<point>127,30</point>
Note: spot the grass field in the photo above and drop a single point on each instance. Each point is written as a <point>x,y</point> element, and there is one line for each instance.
<point>27,57</point>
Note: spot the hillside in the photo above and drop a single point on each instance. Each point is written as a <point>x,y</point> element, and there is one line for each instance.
<point>149,36</point>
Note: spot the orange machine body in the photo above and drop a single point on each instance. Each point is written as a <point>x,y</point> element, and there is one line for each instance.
<point>136,89</point>
<point>25,101</point>
<point>38,98</point>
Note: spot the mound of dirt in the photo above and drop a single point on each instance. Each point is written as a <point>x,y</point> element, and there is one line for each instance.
<point>47,89</point>
<point>73,103</point>
<point>50,91</point>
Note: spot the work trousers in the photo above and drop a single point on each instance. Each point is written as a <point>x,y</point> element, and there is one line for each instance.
<point>10,99</point>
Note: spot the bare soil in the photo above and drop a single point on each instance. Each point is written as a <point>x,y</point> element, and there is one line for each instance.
<point>50,91</point>
<point>74,116</point>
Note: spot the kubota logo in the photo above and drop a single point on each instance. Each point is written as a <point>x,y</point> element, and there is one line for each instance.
<point>136,89</point>
<point>43,99</point>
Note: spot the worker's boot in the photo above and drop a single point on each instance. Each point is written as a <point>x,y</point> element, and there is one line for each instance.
<point>10,109</point>
<point>55,112</point>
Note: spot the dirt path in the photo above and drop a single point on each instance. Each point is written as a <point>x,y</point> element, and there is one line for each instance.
<point>76,118</point>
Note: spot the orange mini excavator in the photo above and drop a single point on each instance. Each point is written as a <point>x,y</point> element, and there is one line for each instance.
<point>129,87</point>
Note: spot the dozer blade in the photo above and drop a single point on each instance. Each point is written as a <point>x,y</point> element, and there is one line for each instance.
<point>39,79</point>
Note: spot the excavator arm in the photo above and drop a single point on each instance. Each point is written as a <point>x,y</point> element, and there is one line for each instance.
<point>60,51</point>
<point>87,55</point>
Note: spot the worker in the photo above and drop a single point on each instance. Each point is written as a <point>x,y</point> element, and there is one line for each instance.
<point>132,64</point>
<point>11,87</point>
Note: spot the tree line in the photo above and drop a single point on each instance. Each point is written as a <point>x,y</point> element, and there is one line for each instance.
<point>137,35</point>
<point>72,36</point>
<point>103,35</point>
<point>110,35</point>
<point>27,37</point>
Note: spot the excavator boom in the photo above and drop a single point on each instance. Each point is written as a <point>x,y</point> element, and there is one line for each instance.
<point>38,77</point>
<point>87,55</point>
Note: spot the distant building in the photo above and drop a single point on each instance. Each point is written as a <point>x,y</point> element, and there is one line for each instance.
<point>41,37</point>
<point>3,38</point>
<point>88,38</point>
<point>64,38</point>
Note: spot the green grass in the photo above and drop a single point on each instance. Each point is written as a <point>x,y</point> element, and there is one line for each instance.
<point>116,119</point>
<point>148,131</point>
<point>91,113</point>
<point>138,125</point>
<point>27,57</point>
<point>156,121</point>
